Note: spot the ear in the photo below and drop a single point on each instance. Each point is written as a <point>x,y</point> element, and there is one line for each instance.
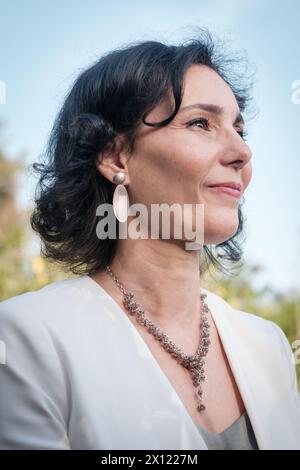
<point>114,160</point>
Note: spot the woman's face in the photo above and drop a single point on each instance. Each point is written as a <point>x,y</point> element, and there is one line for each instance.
<point>177,163</point>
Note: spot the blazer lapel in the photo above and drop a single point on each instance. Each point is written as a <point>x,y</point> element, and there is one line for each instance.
<point>170,402</point>
<point>168,419</point>
<point>243,364</point>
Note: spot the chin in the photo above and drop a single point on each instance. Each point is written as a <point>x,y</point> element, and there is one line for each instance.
<point>218,232</point>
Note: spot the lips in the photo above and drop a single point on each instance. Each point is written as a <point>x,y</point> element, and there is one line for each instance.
<point>232,185</point>
<point>231,189</point>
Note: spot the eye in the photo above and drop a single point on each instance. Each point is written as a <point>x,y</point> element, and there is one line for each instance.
<point>205,125</point>
<point>243,133</point>
<point>203,121</point>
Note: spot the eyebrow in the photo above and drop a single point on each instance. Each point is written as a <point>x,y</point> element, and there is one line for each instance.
<point>215,109</point>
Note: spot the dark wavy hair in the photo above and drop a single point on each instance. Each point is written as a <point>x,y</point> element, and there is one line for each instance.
<point>112,96</point>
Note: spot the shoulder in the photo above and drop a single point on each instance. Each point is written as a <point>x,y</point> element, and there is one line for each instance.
<point>33,321</point>
<point>57,317</point>
<point>33,325</point>
<point>57,299</point>
<point>56,290</point>
<point>22,317</point>
<point>245,321</point>
<point>264,340</point>
<point>32,375</point>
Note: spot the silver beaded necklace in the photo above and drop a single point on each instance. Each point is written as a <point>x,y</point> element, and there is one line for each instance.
<point>193,363</point>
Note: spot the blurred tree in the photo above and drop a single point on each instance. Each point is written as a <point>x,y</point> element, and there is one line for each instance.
<point>11,231</point>
<point>20,271</point>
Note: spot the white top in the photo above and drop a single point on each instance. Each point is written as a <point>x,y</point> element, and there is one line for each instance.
<point>78,375</point>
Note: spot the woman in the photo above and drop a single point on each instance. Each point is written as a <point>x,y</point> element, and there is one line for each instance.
<point>173,365</point>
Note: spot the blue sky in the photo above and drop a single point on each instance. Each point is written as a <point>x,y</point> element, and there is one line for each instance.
<point>45,44</point>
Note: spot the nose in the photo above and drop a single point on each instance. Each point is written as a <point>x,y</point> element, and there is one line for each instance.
<point>237,152</point>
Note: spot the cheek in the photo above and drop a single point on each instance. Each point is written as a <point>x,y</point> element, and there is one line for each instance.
<point>193,159</point>
<point>171,169</point>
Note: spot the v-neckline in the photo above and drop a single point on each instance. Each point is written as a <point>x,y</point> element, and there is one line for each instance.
<point>218,320</point>
<point>215,434</point>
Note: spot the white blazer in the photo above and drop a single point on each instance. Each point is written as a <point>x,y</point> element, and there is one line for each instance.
<point>78,375</point>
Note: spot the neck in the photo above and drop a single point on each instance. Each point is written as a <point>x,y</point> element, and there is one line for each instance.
<point>164,278</point>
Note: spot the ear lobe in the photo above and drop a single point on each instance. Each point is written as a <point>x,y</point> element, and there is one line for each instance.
<point>113,158</point>
<point>108,167</point>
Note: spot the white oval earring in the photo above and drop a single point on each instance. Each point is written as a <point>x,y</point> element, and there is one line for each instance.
<point>120,198</point>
